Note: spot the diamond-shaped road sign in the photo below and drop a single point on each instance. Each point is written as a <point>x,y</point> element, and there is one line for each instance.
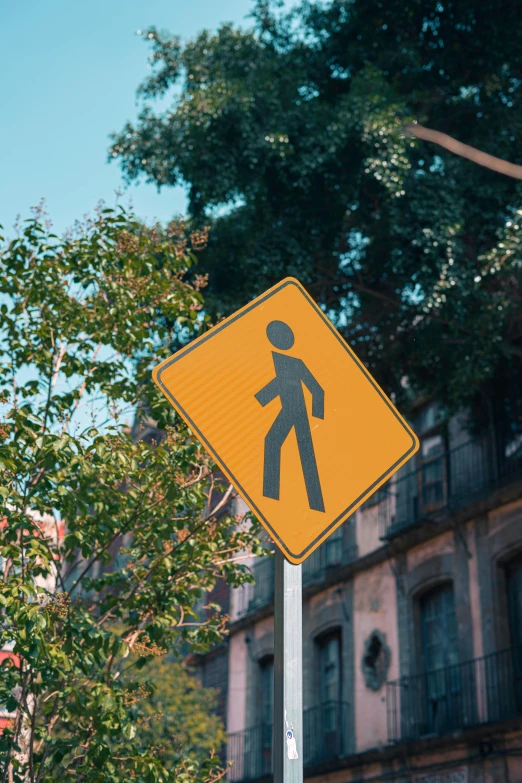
<point>290,414</point>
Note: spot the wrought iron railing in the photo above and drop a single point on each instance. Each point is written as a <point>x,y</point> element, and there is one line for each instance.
<point>483,690</point>
<point>324,739</point>
<point>447,482</point>
<point>332,554</point>
<point>263,593</point>
<point>251,597</point>
<point>325,734</point>
<point>251,752</point>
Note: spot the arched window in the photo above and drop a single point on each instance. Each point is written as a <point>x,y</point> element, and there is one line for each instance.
<point>513,661</point>
<point>432,473</point>
<point>266,690</point>
<point>330,680</point>
<point>514,592</point>
<point>439,628</point>
<point>266,712</point>
<point>323,723</point>
<point>439,689</point>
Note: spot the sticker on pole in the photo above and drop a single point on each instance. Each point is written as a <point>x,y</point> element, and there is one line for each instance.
<point>291,746</point>
<point>290,414</point>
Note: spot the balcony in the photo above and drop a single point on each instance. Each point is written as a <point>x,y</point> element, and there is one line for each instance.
<point>446,481</point>
<point>477,692</point>
<point>332,554</point>
<point>252,597</point>
<point>251,752</point>
<point>324,739</point>
<point>325,734</point>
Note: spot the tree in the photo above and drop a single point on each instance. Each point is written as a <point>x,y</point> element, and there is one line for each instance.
<point>290,137</point>
<point>178,714</point>
<point>109,543</point>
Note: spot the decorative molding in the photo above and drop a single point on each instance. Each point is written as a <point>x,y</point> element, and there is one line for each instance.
<point>376,660</point>
<point>262,647</point>
<point>434,570</point>
<point>327,618</point>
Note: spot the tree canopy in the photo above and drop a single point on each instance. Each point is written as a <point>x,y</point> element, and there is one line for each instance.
<point>290,137</point>
<point>109,544</point>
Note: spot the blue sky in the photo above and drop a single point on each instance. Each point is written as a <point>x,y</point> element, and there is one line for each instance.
<point>68,76</point>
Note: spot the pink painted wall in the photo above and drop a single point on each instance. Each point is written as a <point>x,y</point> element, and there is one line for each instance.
<point>512,746</point>
<point>367,530</point>
<point>237,673</point>
<point>320,600</point>
<point>441,545</point>
<point>374,607</point>
<point>263,627</point>
<point>501,516</point>
<point>474,592</point>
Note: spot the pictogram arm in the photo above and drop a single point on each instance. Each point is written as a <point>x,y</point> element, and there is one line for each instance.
<point>268,392</point>
<point>315,390</point>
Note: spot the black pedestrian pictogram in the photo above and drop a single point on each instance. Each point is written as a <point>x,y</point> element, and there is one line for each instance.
<point>291,374</point>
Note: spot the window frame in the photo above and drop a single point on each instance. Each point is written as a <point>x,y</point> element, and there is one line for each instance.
<point>263,665</point>
<point>435,429</point>
<point>321,643</point>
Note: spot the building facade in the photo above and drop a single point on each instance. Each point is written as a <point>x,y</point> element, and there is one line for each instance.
<point>412,628</point>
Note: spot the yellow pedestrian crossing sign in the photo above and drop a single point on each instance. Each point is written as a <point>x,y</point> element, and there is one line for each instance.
<point>290,414</point>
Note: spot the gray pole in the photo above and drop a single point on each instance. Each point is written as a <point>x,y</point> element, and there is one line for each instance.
<point>288,672</point>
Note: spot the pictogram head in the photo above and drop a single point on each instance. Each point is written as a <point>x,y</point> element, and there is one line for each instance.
<point>280,335</point>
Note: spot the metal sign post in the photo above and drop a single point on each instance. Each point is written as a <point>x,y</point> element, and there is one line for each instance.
<point>288,672</point>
